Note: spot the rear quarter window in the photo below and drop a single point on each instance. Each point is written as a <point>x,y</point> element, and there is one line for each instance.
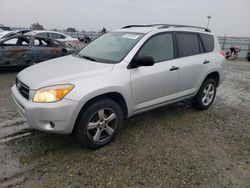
<point>208,42</point>
<point>188,44</point>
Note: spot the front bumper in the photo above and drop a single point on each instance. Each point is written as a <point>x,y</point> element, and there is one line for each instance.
<point>50,117</point>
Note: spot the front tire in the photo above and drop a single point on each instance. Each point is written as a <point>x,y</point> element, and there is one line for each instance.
<point>99,124</point>
<point>205,96</point>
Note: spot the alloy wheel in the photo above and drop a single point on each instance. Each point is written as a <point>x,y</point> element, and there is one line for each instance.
<point>102,125</point>
<point>208,94</point>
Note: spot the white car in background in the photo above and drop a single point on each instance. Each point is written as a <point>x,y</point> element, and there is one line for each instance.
<point>6,34</point>
<point>74,42</point>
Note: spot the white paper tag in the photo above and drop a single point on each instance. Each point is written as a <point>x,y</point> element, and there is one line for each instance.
<point>131,36</point>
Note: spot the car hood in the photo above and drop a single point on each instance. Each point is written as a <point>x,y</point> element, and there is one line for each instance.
<point>63,70</point>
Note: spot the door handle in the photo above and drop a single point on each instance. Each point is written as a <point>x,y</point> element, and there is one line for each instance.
<point>206,62</point>
<point>173,68</point>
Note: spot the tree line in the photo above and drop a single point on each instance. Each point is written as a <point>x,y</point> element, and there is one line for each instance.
<point>37,26</point>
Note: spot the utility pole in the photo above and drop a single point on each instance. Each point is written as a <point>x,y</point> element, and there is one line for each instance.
<point>208,20</point>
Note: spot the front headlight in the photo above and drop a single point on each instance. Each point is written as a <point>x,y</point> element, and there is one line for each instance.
<point>52,93</point>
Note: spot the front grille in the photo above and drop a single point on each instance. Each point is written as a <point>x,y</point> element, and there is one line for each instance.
<point>22,88</point>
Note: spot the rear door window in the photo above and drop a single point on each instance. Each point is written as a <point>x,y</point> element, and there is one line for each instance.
<point>56,36</point>
<point>188,44</point>
<point>160,47</point>
<point>208,42</point>
<point>42,34</point>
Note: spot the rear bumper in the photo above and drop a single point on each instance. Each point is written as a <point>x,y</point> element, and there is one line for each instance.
<point>50,117</point>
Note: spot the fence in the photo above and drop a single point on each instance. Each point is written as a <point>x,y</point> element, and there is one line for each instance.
<point>243,42</point>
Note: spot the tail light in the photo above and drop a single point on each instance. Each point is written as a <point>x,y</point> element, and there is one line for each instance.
<point>223,53</point>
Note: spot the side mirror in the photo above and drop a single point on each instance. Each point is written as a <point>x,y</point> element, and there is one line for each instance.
<point>142,61</point>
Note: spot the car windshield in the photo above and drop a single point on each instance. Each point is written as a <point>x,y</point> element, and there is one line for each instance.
<point>111,47</point>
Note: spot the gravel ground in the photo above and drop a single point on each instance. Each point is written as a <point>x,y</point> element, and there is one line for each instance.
<point>174,146</point>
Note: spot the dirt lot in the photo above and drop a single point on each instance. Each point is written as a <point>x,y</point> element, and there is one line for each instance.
<point>174,146</point>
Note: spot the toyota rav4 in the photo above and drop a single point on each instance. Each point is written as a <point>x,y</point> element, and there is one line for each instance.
<point>120,74</point>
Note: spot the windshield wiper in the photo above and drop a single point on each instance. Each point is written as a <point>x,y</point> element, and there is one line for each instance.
<point>89,58</point>
<point>94,59</point>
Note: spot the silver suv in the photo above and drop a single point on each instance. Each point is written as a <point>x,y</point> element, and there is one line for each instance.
<point>120,74</point>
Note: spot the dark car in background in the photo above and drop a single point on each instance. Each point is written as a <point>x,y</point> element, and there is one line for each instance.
<point>5,28</point>
<point>21,51</point>
<point>85,39</point>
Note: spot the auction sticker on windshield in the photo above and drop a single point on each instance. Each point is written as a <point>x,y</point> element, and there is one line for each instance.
<point>131,36</point>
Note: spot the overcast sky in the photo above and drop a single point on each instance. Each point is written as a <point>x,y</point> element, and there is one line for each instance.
<point>230,17</point>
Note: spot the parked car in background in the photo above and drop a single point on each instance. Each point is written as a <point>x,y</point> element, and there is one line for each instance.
<point>5,28</point>
<point>20,51</point>
<point>6,34</point>
<point>118,75</point>
<point>85,39</point>
<point>74,42</point>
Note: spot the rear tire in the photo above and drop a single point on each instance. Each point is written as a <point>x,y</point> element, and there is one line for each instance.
<point>99,124</point>
<point>205,96</point>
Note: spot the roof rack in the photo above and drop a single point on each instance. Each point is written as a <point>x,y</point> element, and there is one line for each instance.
<point>150,25</point>
<point>163,26</point>
<point>190,26</point>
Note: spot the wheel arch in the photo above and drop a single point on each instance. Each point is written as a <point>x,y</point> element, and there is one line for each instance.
<point>115,96</point>
<point>215,76</point>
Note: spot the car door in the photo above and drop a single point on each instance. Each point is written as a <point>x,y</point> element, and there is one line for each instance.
<point>15,52</point>
<point>155,84</point>
<point>191,60</point>
<point>45,49</point>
